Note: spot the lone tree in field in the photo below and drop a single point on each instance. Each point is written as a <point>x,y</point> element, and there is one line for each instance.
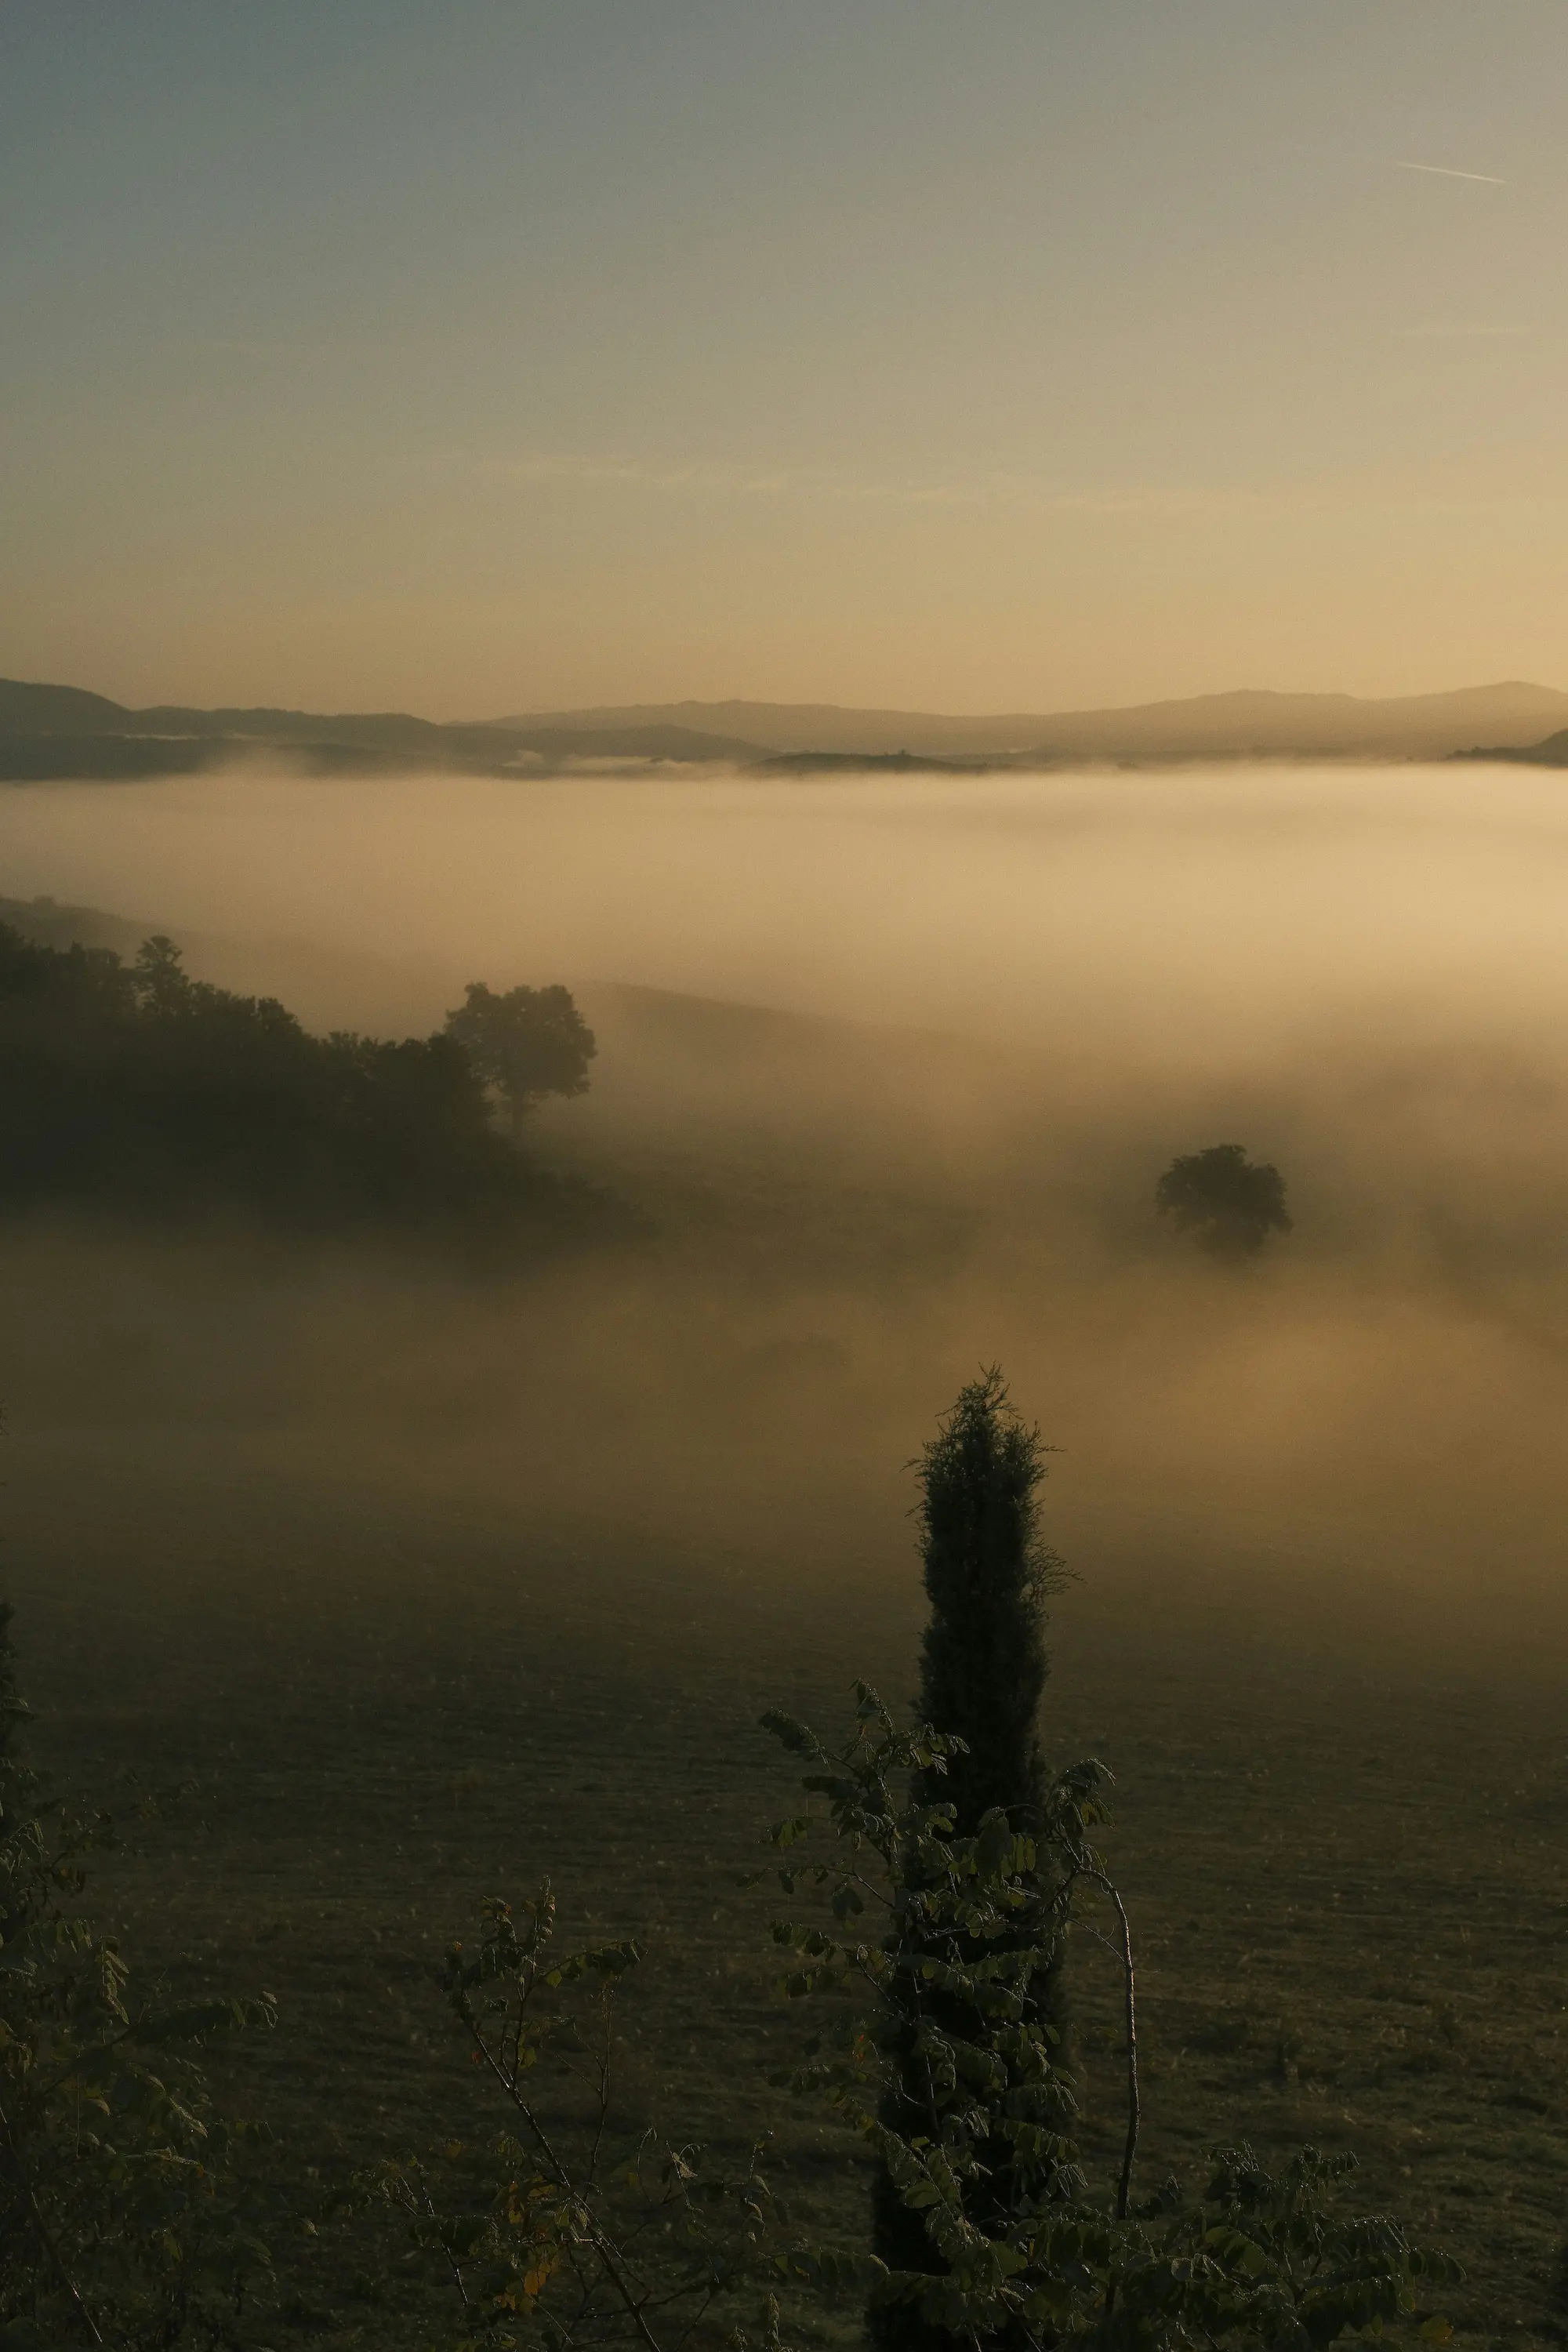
<point>526,1044</point>
<point>1229,1203</point>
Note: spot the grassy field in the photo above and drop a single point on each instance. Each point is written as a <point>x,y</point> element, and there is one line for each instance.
<point>1346,1860</point>
<point>431,1588</point>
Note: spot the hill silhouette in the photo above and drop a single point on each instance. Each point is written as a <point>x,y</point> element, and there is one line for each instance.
<point>59,731</point>
<point>130,1089</point>
<point>1248,722</point>
<point>1551,753</point>
<point>48,732</point>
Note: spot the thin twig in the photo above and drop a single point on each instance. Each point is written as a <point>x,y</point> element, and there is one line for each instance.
<point>452,2262</point>
<point>1130,1980</point>
<point>58,2260</point>
<point>595,2236</point>
<point>605,2061</point>
<point>45,2233</point>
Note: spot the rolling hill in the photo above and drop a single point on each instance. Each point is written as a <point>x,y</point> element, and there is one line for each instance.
<point>1208,726</point>
<point>61,731</point>
<point>48,732</point>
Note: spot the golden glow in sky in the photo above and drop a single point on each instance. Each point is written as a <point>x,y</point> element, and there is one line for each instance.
<point>1026,355</point>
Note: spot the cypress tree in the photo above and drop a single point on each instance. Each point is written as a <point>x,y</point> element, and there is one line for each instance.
<point>987,1572</point>
<point>984,1664</point>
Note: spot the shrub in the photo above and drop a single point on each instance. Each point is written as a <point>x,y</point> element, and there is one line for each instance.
<point>122,2221</point>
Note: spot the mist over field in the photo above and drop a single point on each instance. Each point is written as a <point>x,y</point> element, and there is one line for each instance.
<point>437,1572</point>
<point>889,1069</point>
<point>784,1178</point>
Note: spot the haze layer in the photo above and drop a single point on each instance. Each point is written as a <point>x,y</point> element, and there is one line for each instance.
<point>1000,1007</point>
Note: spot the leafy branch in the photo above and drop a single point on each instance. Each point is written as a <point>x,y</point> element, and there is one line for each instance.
<point>951,2068</point>
<point>588,2237</point>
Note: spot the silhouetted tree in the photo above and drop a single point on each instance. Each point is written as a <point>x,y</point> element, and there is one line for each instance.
<point>526,1044</point>
<point>159,980</point>
<point>139,1087</point>
<point>983,1657</point>
<point>1229,1205</point>
<point>983,1669</point>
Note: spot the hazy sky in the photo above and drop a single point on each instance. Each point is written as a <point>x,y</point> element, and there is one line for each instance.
<point>481,355</point>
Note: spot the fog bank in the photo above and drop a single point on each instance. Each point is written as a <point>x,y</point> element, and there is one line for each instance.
<point>1108,907</point>
<point>992,1010</point>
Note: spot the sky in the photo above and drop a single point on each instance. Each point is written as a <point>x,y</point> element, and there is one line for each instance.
<point>482,356</point>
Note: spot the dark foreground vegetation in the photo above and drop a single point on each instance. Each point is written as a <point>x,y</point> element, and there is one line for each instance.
<point>133,1086</point>
<point>943,1875</point>
<point>1341,1855</point>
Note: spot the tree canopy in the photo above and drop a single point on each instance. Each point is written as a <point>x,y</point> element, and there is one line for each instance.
<point>1229,1203</point>
<point>982,1653</point>
<point>527,1043</point>
<point>135,1086</point>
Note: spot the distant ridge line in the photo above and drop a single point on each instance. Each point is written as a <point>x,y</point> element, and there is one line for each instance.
<point>1265,721</point>
<point>63,731</point>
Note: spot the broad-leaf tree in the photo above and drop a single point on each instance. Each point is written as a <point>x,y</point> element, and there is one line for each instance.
<point>1229,1203</point>
<point>527,1043</point>
<point>137,1088</point>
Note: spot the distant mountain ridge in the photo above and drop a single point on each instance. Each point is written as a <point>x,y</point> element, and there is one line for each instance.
<point>59,731</point>
<point>1220,726</point>
<point>62,731</point>
<point>1552,753</point>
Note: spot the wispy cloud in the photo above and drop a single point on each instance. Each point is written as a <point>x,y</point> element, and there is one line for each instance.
<point>1019,493</point>
<point>590,469</point>
<point>1457,334</point>
<point>1445,172</point>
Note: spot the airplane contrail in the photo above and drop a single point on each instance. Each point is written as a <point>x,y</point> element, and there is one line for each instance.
<point>1442,172</point>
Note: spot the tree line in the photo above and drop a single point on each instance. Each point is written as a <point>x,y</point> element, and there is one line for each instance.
<point>134,1086</point>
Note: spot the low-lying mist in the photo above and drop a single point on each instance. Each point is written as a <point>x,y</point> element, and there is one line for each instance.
<point>1189,915</point>
<point>890,1068</point>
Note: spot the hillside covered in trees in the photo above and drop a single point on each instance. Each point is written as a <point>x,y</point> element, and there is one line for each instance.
<point>133,1086</point>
